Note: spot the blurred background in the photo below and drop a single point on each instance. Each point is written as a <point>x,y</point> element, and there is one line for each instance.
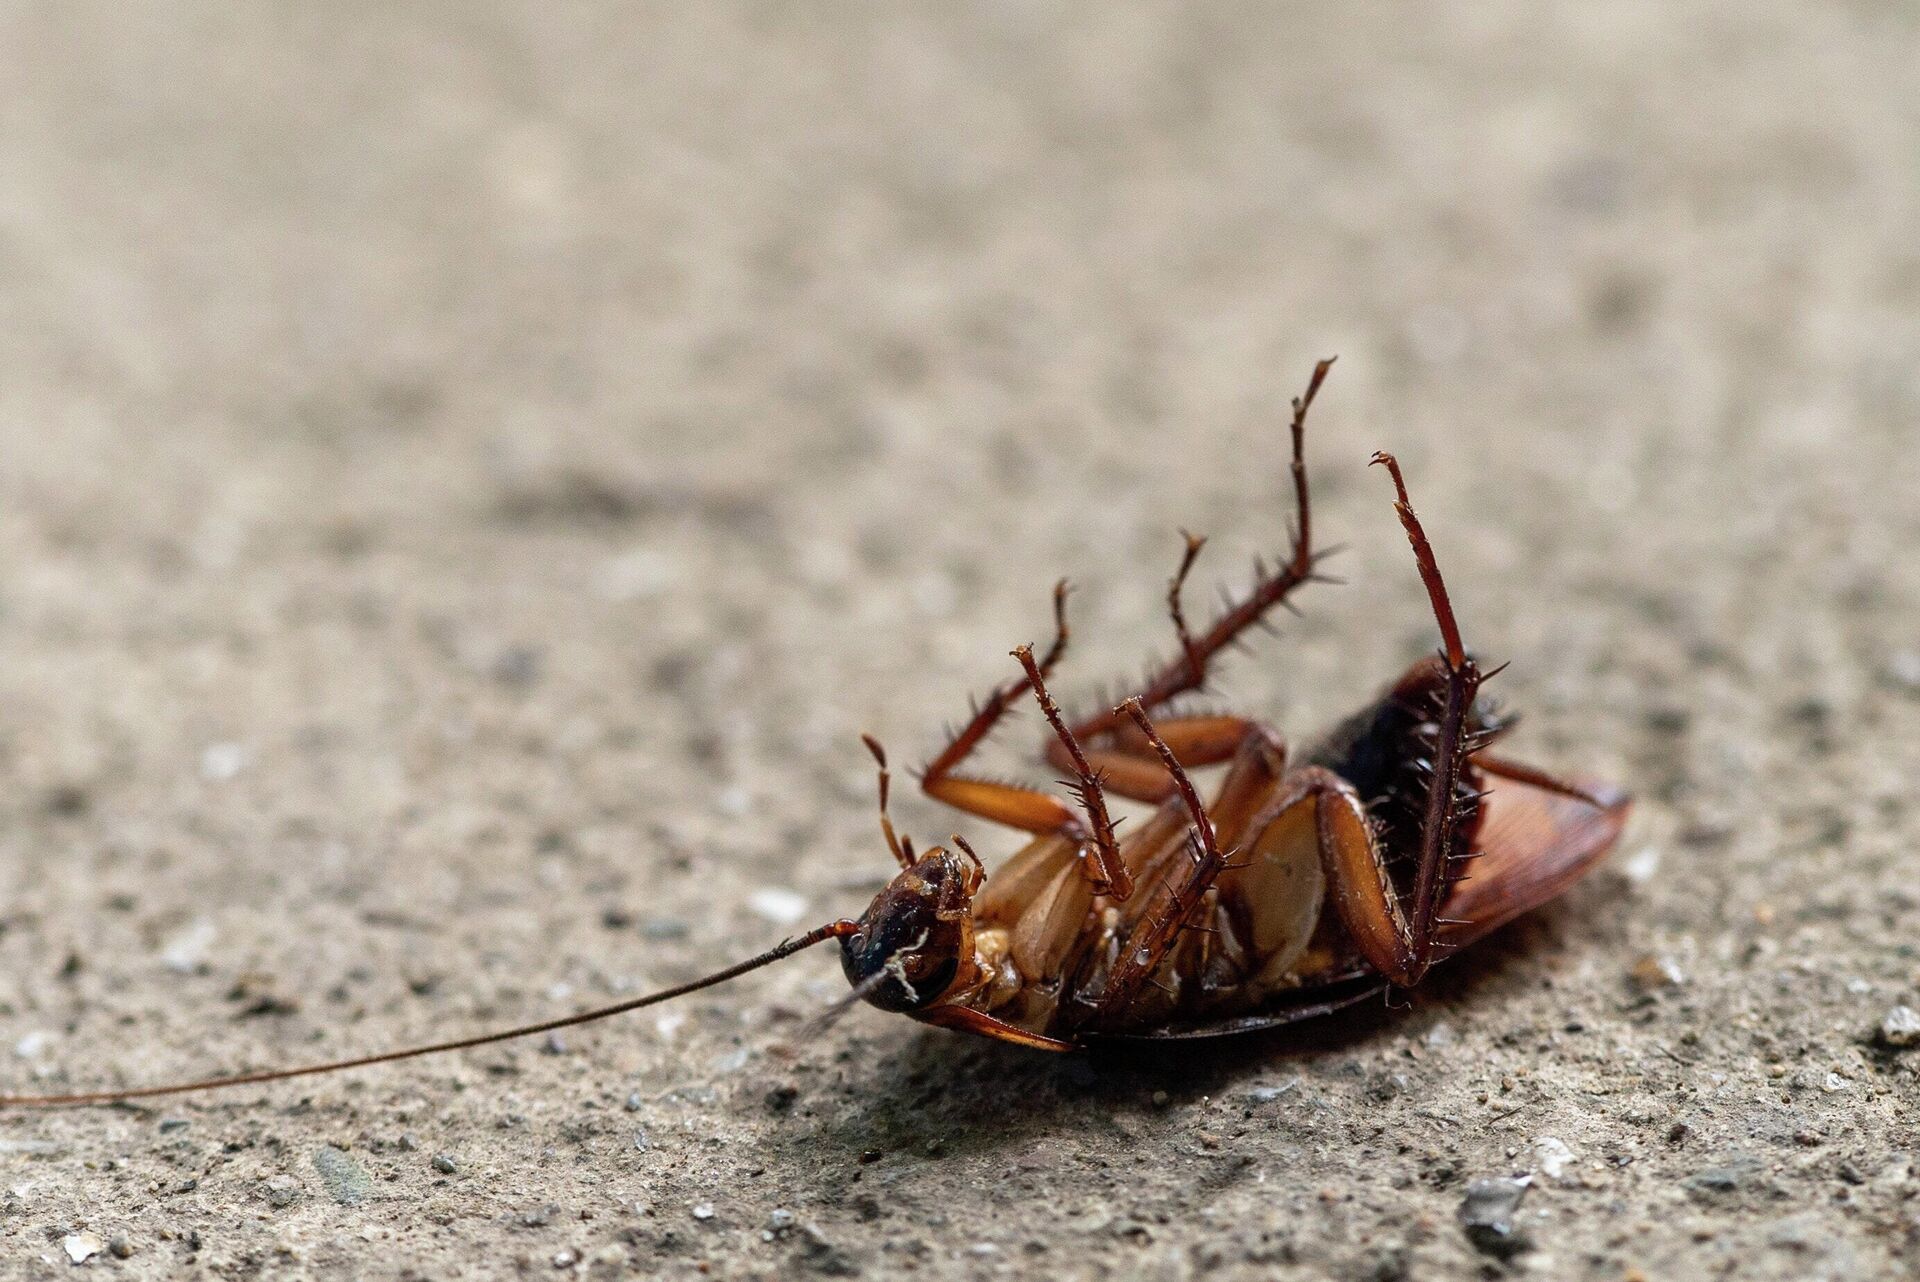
<point>468,473</point>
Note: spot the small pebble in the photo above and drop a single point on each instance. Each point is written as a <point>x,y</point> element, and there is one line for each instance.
<point>1901,1027</point>
<point>409,1142</point>
<point>168,1125</point>
<point>703,1210</point>
<point>564,1259</point>
<point>1487,1215</point>
<point>1161,1099</point>
<point>120,1249</point>
<point>634,1102</point>
<point>346,1180</point>
<point>81,1247</point>
<point>1552,1156</point>
<point>554,1045</point>
<point>1653,972</point>
<point>781,1219</point>
<point>1268,1094</point>
<point>444,1163</point>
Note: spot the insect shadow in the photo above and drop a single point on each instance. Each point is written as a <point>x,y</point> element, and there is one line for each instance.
<point>934,1096</point>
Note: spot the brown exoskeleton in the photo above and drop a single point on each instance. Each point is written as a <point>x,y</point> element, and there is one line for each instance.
<point>1300,889</point>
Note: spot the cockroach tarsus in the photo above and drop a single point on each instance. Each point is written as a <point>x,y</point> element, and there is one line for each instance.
<point>1298,890</point>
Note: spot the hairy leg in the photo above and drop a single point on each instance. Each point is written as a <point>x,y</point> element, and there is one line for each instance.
<point>1128,764</point>
<point>1188,670</point>
<point>1018,807</point>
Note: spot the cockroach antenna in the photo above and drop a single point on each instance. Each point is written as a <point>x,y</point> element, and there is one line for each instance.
<point>832,930</point>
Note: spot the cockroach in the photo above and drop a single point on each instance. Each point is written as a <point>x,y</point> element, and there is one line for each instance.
<point>1303,887</point>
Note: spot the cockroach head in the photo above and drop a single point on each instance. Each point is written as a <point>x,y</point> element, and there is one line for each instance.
<point>917,935</point>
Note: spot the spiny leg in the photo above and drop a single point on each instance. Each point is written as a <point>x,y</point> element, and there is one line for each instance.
<point>1129,766</point>
<point>1196,812</point>
<point>1001,802</point>
<point>1487,763</point>
<point>1447,811</point>
<point>1113,878</point>
<point>901,848</point>
<point>1187,671</point>
<point>1196,662</point>
<point>1156,931</point>
<point>1124,760</point>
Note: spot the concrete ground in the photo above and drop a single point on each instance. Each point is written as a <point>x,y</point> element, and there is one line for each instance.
<point>470,472</point>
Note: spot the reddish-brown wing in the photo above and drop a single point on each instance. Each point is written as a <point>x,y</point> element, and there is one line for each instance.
<point>1534,844</point>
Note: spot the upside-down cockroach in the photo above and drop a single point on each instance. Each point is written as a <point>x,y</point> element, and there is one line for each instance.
<point>1302,888</point>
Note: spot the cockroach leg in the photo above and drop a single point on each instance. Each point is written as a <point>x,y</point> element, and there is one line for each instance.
<point>1005,803</point>
<point>1502,768</point>
<point>1182,897</point>
<point>1441,830</point>
<point>1362,891</point>
<point>1196,812</point>
<point>1451,646</point>
<point>1112,878</point>
<point>1257,768</point>
<point>1187,671</point>
<point>902,850</point>
<point>1129,766</point>
<point>1196,663</point>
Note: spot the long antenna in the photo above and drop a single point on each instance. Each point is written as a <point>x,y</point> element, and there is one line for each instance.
<point>832,930</point>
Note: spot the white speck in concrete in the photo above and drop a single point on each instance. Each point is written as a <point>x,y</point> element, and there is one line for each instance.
<point>1640,867</point>
<point>779,906</point>
<point>186,949</point>
<point>1551,1156</point>
<point>220,762</point>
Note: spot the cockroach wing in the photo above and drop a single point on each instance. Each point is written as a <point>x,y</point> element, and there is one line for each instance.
<point>1534,843</point>
<point>1313,1002</point>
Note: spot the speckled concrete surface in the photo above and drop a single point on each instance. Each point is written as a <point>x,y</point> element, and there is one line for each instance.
<point>470,472</point>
